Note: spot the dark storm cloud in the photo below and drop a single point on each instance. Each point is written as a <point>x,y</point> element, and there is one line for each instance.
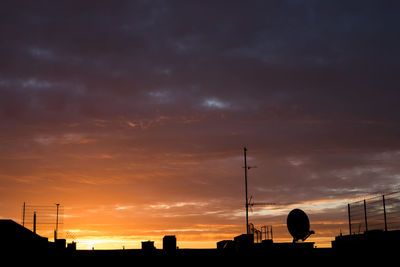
<point>313,54</point>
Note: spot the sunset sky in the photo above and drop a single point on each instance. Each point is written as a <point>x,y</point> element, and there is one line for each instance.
<point>134,114</point>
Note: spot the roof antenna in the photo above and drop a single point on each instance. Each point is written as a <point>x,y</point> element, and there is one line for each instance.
<point>245,186</point>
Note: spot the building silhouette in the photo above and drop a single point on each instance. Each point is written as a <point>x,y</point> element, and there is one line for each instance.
<point>169,245</point>
<point>15,236</point>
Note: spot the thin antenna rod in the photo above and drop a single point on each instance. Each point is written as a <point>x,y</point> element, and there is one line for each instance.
<point>55,236</point>
<point>34,222</point>
<point>365,216</point>
<point>23,216</point>
<point>245,185</point>
<point>384,212</point>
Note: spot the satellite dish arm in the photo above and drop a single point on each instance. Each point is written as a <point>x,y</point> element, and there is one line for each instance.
<point>308,235</point>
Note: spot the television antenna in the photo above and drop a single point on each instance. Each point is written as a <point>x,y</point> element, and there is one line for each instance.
<point>70,235</point>
<point>245,186</point>
<point>252,203</point>
<point>249,201</point>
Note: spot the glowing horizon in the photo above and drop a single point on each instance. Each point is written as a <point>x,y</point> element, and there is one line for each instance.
<point>124,235</point>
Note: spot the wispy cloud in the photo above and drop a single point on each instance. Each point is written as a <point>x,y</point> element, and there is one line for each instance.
<point>215,103</point>
<point>63,139</point>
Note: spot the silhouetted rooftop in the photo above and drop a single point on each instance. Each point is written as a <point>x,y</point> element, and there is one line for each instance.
<point>14,235</point>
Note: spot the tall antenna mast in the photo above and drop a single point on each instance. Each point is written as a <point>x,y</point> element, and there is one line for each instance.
<point>56,232</point>
<point>34,222</point>
<point>23,215</point>
<point>248,201</point>
<point>245,186</point>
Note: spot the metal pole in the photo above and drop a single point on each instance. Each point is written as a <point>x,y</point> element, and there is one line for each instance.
<point>245,184</point>
<point>23,215</point>
<point>34,222</point>
<point>55,236</point>
<point>365,216</point>
<point>384,212</point>
<point>272,237</point>
<point>349,215</point>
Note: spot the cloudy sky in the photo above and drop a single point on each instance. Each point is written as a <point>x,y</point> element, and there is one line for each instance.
<point>134,114</point>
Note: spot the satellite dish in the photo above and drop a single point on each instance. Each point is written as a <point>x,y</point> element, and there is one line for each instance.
<point>298,225</point>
